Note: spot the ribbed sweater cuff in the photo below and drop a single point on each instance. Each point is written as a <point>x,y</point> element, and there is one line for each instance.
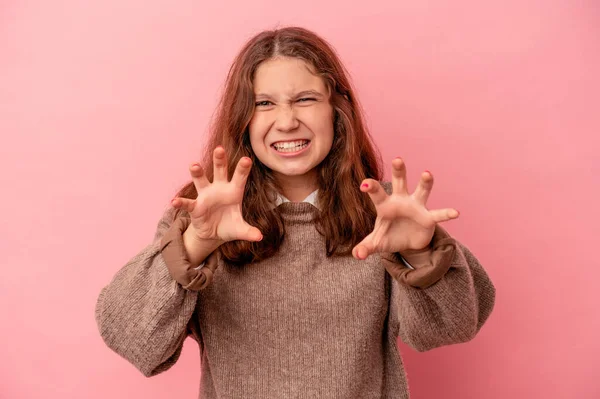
<point>430,264</point>
<point>175,256</point>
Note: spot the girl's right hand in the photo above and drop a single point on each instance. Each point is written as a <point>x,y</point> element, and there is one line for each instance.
<point>216,214</point>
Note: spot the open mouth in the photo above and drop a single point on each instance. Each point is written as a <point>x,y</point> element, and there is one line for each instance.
<point>290,146</point>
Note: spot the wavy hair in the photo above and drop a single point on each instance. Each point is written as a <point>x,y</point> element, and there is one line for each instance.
<point>347,215</point>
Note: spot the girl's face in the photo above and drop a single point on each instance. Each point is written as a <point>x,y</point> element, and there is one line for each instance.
<point>291,131</point>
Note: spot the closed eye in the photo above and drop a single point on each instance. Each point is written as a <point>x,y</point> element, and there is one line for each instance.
<point>265,103</point>
<point>306,99</point>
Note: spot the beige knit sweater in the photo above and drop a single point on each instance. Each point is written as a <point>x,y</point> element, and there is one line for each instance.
<point>297,325</point>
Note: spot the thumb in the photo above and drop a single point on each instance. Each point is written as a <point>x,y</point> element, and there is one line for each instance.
<point>251,234</point>
<point>183,204</point>
<point>363,249</point>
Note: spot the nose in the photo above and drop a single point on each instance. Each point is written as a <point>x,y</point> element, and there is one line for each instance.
<point>286,119</point>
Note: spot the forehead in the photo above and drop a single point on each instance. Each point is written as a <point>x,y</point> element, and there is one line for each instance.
<point>286,76</point>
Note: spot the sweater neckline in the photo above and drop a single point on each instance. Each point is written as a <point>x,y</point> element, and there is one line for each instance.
<point>302,212</point>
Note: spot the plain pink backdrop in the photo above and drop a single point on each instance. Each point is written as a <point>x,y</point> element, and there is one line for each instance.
<point>104,104</point>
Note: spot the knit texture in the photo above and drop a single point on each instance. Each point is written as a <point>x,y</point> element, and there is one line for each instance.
<point>296,325</point>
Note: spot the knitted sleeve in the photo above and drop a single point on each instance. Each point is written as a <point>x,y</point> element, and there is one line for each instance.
<point>143,314</point>
<point>445,299</point>
<point>449,310</point>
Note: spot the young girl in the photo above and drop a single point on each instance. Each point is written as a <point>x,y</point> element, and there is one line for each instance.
<point>287,260</point>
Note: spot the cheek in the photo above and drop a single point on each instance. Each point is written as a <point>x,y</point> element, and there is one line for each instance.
<point>322,122</point>
<point>255,130</point>
<point>317,118</point>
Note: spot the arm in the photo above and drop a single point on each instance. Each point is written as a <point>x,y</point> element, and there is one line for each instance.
<point>143,314</point>
<point>445,300</point>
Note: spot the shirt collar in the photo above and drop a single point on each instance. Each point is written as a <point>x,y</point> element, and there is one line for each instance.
<point>311,199</point>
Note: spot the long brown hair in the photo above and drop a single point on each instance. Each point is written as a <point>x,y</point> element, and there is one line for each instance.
<point>347,215</point>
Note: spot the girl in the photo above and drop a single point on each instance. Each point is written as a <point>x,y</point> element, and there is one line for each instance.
<point>297,275</point>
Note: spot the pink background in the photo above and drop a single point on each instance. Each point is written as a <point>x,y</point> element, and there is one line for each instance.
<point>104,104</point>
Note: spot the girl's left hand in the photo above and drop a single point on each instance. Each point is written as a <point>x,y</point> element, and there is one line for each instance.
<point>403,222</point>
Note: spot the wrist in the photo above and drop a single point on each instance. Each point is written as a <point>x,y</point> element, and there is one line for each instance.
<point>191,235</point>
<point>198,249</point>
<point>417,257</point>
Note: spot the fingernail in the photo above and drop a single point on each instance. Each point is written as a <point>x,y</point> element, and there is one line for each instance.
<point>365,185</point>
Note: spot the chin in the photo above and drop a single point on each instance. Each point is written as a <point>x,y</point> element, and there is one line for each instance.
<point>299,171</point>
<point>292,172</point>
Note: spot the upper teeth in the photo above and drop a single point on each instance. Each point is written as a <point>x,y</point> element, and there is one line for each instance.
<point>290,144</point>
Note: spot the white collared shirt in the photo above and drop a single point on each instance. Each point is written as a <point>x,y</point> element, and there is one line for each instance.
<point>311,199</point>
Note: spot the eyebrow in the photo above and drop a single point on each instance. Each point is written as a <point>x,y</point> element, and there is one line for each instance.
<point>303,93</point>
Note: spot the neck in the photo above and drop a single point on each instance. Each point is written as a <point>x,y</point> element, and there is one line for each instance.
<point>297,188</point>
